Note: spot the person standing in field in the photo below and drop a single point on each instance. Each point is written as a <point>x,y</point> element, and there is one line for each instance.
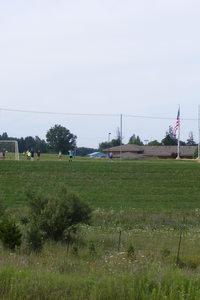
<point>71,154</point>
<point>38,155</point>
<point>110,156</point>
<point>4,153</point>
<point>32,154</point>
<point>59,155</point>
<point>28,155</point>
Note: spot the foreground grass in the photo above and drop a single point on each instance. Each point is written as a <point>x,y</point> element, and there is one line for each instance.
<point>95,274</point>
<point>27,284</point>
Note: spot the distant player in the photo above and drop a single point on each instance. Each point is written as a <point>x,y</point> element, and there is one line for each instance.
<point>59,155</point>
<point>110,156</point>
<point>38,155</point>
<point>4,153</point>
<point>71,154</point>
<point>32,154</point>
<point>28,155</point>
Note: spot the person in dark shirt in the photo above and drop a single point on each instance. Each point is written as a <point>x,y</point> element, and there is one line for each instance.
<point>32,154</point>
<point>4,153</point>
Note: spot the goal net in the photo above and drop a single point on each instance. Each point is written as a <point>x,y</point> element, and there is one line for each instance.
<point>9,149</point>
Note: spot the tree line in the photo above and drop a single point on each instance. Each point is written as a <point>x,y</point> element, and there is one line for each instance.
<point>170,139</point>
<point>28,143</point>
<point>59,138</point>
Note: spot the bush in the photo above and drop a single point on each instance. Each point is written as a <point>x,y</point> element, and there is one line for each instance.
<point>56,215</point>
<point>2,206</point>
<point>10,234</point>
<point>92,249</point>
<point>165,252</point>
<point>34,239</point>
<point>195,155</point>
<point>131,252</point>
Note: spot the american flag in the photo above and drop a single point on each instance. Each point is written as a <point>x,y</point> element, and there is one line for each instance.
<point>177,122</point>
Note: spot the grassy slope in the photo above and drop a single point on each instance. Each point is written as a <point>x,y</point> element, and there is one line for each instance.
<point>151,185</point>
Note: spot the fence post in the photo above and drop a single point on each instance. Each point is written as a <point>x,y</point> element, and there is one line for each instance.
<point>119,240</point>
<point>179,247</point>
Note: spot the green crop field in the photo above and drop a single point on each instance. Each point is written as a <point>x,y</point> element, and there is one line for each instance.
<point>141,208</point>
<point>154,185</point>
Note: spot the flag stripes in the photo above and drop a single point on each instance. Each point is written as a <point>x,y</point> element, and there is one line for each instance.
<point>177,122</point>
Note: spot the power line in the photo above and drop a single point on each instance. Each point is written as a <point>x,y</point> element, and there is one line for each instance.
<point>57,113</point>
<point>93,114</point>
<point>159,118</point>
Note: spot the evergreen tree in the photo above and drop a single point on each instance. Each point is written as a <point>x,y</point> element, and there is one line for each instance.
<point>190,140</point>
<point>113,143</point>
<point>154,143</point>
<point>135,140</point>
<point>170,138</point>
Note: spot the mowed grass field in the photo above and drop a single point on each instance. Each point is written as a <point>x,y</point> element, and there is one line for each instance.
<point>150,185</point>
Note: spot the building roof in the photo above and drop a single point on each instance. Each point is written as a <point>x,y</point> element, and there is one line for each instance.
<point>153,150</point>
<point>168,150</point>
<point>125,148</point>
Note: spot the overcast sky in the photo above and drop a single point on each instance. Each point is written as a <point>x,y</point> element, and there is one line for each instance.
<point>99,57</point>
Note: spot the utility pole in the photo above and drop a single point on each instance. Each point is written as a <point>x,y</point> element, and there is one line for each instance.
<point>179,130</point>
<point>198,156</point>
<point>120,137</point>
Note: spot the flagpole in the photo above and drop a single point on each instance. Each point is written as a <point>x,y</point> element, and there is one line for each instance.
<point>178,147</point>
<point>120,137</point>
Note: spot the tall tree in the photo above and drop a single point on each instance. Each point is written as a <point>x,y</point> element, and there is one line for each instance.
<point>135,140</point>
<point>82,151</point>
<point>4,136</point>
<point>105,145</point>
<point>29,143</point>
<point>40,145</point>
<point>154,143</point>
<point>190,140</point>
<point>21,144</point>
<point>60,138</point>
<point>170,138</point>
<point>112,143</point>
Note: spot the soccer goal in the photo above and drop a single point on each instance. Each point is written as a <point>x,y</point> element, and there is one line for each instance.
<point>9,149</point>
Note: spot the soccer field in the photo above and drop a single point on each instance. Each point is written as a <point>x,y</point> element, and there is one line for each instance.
<point>154,185</point>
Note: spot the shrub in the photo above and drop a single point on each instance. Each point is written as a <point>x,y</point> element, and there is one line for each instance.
<point>57,215</point>
<point>131,252</point>
<point>10,234</point>
<point>195,155</point>
<point>74,250</point>
<point>34,239</point>
<point>2,206</point>
<point>165,252</point>
<point>92,249</point>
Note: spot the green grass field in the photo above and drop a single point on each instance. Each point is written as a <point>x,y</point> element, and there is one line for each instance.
<point>154,185</point>
<point>148,201</point>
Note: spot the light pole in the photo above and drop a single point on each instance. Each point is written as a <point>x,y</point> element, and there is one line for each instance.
<point>109,137</point>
